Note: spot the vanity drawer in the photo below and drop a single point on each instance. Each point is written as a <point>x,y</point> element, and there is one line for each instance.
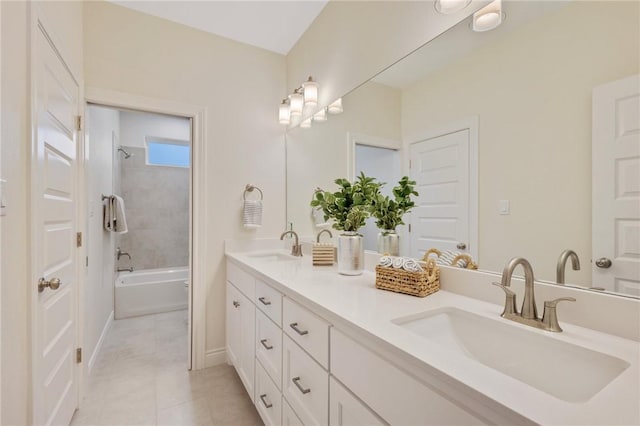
<point>269,347</point>
<point>346,409</point>
<point>305,385</point>
<point>268,398</point>
<point>393,394</point>
<point>269,301</point>
<point>289,417</point>
<point>307,329</point>
<point>242,280</point>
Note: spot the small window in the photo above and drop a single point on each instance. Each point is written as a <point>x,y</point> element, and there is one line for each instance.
<point>168,153</point>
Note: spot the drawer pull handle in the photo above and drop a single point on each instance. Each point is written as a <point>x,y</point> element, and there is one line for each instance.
<point>294,325</point>
<point>296,381</point>
<point>266,404</point>
<point>236,304</point>
<point>264,343</point>
<point>263,301</point>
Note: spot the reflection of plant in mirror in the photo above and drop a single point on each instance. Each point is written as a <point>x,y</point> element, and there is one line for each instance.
<point>387,211</point>
<point>350,206</point>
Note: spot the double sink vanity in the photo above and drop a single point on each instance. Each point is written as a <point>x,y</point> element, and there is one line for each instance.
<point>314,347</point>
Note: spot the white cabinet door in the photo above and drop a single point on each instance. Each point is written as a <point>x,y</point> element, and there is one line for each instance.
<point>347,410</point>
<point>268,398</point>
<point>616,186</point>
<point>241,325</point>
<point>289,417</point>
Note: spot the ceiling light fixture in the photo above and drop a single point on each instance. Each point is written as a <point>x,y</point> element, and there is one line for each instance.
<point>310,92</point>
<point>447,7</point>
<point>320,116</point>
<point>335,107</point>
<point>488,18</point>
<point>285,113</point>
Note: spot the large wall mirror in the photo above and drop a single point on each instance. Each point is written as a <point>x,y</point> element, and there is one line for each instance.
<point>499,128</point>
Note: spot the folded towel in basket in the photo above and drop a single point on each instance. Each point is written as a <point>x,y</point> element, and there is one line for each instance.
<point>252,213</point>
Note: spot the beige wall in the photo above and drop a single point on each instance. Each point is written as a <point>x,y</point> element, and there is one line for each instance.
<point>65,25</point>
<point>351,41</point>
<point>318,156</point>
<point>239,84</point>
<point>532,93</point>
<point>98,289</point>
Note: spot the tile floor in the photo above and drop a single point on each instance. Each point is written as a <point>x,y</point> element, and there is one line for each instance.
<point>141,378</point>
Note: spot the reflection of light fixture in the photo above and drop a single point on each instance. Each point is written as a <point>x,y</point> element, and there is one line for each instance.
<point>296,103</point>
<point>320,115</point>
<point>284,112</point>
<point>306,123</point>
<point>447,7</point>
<point>310,91</point>
<point>488,18</point>
<point>335,107</point>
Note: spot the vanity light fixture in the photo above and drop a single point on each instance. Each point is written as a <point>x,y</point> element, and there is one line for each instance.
<point>284,113</point>
<point>310,92</point>
<point>447,7</point>
<point>296,103</point>
<point>306,123</point>
<point>488,18</point>
<point>321,115</point>
<point>335,107</point>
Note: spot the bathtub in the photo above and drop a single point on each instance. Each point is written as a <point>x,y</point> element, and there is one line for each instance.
<point>150,291</point>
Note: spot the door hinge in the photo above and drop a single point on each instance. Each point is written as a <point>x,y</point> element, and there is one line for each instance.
<point>86,261</point>
<point>78,239</point>
<point>78,122</point>
<point>409,227</point>
<point>79,355</point>
<point>409,163</point>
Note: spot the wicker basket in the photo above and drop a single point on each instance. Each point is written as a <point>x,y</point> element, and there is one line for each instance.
<point>419,284</point>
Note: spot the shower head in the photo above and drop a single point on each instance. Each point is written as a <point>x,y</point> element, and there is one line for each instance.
<point>126,154</point>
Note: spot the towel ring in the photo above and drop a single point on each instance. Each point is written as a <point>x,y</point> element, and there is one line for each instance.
<point>250,188</point>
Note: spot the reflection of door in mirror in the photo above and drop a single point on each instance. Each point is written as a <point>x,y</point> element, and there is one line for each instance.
<point>616,186</point>
<point>384,164</point>
<point>444,166</point>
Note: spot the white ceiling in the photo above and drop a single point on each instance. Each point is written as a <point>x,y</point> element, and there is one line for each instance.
<point>271,25</point>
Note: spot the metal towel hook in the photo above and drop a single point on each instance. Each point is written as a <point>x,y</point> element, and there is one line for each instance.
<point>250,188</point>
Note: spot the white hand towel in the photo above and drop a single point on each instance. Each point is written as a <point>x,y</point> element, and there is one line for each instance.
<point>252,214</point>
<point>120,219</point>
<point>106,213</point>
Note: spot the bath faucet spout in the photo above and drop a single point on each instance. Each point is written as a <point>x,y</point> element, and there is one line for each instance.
<point>529,309</point>
<point>562,264</point>
<point>296,248</point>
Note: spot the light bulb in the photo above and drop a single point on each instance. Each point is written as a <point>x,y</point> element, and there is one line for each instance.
<point>296,103</point>
<point>310,90</point>
<point>335,107</point>
<point>321,115</point>
<point>306,123</point>
<point>488,18</point>
<point>447,7</point>
<point>284,113</point>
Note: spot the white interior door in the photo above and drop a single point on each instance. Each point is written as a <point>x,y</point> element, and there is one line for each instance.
<point>54,193</point>
<point>616,186</point>
<point>440,165</point>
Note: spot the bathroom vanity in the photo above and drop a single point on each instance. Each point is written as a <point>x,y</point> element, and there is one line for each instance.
<point>314,347</point>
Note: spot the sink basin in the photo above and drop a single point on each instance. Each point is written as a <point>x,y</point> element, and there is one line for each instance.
<point>272,256</point>
<point>566,371</point>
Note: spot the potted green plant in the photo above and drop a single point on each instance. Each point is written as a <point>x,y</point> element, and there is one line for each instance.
<point>349,207</point>
<point>388,213</point>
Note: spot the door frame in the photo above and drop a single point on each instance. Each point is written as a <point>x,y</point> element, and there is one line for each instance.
<point>471,124</point>
<point>38,21</point>
<point>198,115</point>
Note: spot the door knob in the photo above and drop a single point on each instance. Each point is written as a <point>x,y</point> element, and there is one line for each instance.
<point>461,246</point>
<point>53,284</point>
<point>603,263</point>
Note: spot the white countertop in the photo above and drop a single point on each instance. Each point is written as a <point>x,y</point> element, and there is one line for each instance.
<point>354,303</point>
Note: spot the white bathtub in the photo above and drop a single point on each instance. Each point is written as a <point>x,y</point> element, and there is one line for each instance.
<point>150,291</point>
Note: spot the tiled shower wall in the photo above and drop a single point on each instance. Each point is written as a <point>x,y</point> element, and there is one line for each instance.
<point>157,209</point>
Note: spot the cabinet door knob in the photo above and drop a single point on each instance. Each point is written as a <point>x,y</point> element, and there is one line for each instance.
<point>266,404</point>
<point>264,343</point>
<point>264,301</point>
<point>294,325</point>
<point>296,381</point>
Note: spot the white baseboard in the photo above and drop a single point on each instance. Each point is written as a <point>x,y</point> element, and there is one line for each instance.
<point>215,357</point>
<point>98,347</point>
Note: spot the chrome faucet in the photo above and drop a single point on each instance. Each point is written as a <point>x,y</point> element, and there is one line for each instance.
<point>322,232</point>
<point>296,248</point>
<point>528,314</point>
<point>562,264</point>
<point>120,253</point>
